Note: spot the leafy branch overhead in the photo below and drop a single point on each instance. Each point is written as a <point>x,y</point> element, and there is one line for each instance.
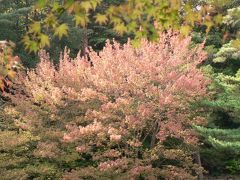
<point>143,18</point>
<point>8,64</point>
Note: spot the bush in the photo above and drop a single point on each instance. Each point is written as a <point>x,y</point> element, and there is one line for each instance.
<point>122,113</point>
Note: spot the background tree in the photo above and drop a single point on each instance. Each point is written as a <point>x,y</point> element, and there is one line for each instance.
<point>15,19</point>
<point>91,22</point>
<point>222,137</point>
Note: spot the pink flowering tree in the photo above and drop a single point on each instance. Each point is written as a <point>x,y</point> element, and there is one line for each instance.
<point>125,111</point>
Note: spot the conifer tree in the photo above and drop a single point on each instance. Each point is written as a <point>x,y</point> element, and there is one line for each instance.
<point>222,138</point>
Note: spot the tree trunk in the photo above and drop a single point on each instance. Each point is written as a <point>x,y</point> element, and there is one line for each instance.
<point>85,42</point>
<point>153,139</point>
<point>26,17</point>
<point>198,159</point>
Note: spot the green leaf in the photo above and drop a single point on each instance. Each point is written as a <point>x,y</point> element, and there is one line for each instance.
<point>101,19</point>
<point>55,6</point>
<point>33,46</point>
<point>41,4</point>
<point>61,30</point>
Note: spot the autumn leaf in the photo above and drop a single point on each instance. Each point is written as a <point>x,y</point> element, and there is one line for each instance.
<point>61,30</point>
<point>41,3</point>
<point>69,5</point>
<point>218,19</point>
<point>26,40</point>
<point>33,46</point>
<point>81,20</point>
<point>30,45</point>
<point>236,43</point>
<point>11,74</point>
<point>56,6</point>
<point>51,20</point>
<point>95,3</point>
<point>35,27</point>
<point>101,19</point>
<point>132,26</point>
<point>209,25</point>
<point>44,40</point>
<point>120,28</point>
<point>86,5</point>
<point>185,30</point>
<point>2,83</point>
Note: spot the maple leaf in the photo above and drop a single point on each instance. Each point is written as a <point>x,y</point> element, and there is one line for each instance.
<point>35,27</point>
<point>86,5</point>
<point>185,30</point>
<point>44,40</point>
<point>120,28</point>
<point>61,30</point>
<point>51,20</point>
<point>29,44</point>
<point>101,19</point>
<point>56,6</point>
<point>95,3</point>
<point>81,19</point>
<point>33,46</point>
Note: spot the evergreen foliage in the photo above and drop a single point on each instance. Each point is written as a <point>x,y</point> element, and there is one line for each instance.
<point>222,137</point>
<point>47,109</point>
<point>221,150</point>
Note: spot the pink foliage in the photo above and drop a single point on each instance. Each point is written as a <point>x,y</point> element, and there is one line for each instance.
<point>142,94</point>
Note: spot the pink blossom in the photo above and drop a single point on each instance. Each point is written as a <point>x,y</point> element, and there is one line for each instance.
<point>115,137</point>
<point>122,98</point>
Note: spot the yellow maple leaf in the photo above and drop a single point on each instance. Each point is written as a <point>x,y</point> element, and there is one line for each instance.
<point>101,19</point>
<point>61,30</point>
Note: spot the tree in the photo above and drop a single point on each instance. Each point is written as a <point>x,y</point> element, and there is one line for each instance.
<point>142,18</point>
<point>221,138</point>
<point>126,113</point>
<point>15,21</point>
<point>221,150</point>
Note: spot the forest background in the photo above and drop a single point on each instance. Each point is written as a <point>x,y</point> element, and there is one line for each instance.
<point>53,25</point>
